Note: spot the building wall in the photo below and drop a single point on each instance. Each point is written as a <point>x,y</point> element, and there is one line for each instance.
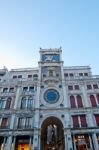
<point>24,105</point>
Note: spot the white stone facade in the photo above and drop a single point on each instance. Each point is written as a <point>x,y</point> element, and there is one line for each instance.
<point>33,98</point>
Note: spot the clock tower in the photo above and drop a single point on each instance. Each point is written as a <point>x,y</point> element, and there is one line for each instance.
<point>51,78</point>
<point>52,100</point>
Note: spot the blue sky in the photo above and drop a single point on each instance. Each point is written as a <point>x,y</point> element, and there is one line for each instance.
<point>27,25</point>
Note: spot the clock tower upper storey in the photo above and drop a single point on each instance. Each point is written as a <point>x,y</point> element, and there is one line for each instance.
<point>51,65</point>
<point>50,57</point>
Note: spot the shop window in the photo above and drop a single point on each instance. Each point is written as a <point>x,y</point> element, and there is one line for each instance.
<point>70,87</point>
<point>93,101</point>
<point>83,121</point>
<point>97,119</point>
<point>75,121</point>
<point>95,86</point>
<point>79,101</point>
<point>76,87</point>
<point>72,101</point>
<point>89,87</point>
<point>4,123</point>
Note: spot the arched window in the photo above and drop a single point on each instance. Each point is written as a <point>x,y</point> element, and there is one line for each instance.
<point>23,103</point>
<point>98,98</point>
<point>8,103</point>
<point>30,102</point>
<point>72,101</point>
<point>93,101</point>
<point>79,101</point>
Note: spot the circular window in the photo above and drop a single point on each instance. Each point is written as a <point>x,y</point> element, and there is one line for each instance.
<point>51,96</point>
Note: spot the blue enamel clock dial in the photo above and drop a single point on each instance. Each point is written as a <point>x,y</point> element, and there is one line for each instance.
<point>51,96</point>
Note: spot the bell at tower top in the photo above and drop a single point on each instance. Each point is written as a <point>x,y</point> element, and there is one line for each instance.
<point>50,55</point>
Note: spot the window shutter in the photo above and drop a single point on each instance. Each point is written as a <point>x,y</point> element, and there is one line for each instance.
<point>75,121</point>
<point>93,101</point>
<point>72,102</point>
<point>79,101</point>
<point>83,121</point>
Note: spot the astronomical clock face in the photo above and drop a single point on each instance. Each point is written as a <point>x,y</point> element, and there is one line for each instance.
<point>51,96</point>
<point>51,58</point>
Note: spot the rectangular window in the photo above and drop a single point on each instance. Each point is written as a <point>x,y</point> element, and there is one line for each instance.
<point>8,103</point>
<point>31,88</point>
<point>83,121</point>
<point>89,87</point>
<point>85,74</point>
<point>11,90</point>
<point>25,89</point>
<point>14,77</point>
<point>95,86</point>
<point>28,122</point>
<point>70,87</point>
<point>97,119</point>
<point>75,121</point>
<point>30,103</point>
<point>5,90</point>
<point>66,74</point>
<point>19,76</point>
<point>1,104</point>
<point>76,87</point>
<point>23,103</point>
<point>20,122</point>
<point>71,75</point>
<point>29,76</point>
<point>81,74</point>
<point>4,123</point>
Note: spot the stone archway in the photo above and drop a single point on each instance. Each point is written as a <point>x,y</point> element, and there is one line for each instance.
<point>52,134</point>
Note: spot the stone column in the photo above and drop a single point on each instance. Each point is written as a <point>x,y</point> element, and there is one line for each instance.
<point>68,140</point>
<point>13,144</point>
<point>17,97</point>
<point>84,95</point>
<point>9,142</point>
<point>3,144</point>
<point>74,142</point>
<point>36,140</point>
<point>64,88</point>
<point>12,121</point>
<point>90,119</point>
<point>36,130</point>
<point>96,146</point>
